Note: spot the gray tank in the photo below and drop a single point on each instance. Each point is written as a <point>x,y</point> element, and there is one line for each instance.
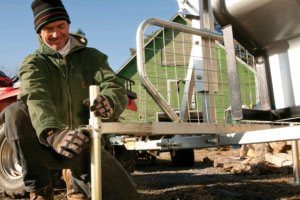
<point>260,24</point>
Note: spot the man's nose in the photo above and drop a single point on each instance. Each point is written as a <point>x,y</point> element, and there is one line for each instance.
<point>55,34</point>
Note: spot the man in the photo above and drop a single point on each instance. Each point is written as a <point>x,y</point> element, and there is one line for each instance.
<point>42,126</point>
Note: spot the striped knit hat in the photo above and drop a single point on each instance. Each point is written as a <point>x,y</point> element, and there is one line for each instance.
<point>46,11</point>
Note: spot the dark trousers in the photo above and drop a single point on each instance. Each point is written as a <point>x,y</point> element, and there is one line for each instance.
<point>37,159</point>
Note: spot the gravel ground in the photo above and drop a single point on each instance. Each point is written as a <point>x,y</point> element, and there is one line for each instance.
<point>203,181</point>
<point>162,181</point>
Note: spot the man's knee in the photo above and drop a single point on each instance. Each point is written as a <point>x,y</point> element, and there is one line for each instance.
<point>16,111</point>
<point>17,121</point>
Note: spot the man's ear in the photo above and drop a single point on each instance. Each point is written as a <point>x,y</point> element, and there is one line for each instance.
<point>40,37</point>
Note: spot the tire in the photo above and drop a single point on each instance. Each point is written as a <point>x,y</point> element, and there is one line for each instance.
<point>11,181</point>
<point>183,157</point>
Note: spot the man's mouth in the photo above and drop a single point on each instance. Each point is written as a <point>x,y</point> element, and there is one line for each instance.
<point>55,41</point>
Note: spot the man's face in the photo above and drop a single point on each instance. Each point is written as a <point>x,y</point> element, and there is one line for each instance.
<point>55,34</point>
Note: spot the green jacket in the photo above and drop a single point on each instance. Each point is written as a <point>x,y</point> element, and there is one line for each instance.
<point>54,87</point>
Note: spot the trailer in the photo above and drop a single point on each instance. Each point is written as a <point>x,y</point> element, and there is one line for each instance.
<point>196,77</point>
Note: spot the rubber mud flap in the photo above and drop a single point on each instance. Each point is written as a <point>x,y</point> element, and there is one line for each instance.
<point>117,184</point>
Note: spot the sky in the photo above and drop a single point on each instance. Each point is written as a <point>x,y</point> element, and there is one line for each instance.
<point>109,25</point>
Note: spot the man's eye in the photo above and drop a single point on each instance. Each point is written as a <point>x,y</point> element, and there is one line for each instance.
<point>48,29</point>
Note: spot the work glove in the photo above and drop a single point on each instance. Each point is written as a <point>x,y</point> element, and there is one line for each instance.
<point>68,142</point>
<point>102,106</point>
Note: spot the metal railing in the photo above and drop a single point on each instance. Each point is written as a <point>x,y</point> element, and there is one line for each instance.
<point>190,80</point>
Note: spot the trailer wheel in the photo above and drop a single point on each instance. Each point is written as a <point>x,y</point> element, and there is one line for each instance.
<point>183,157</point>
<point>10,170</point>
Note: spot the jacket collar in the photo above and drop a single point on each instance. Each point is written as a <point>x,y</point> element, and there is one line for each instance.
<point>77,42</point>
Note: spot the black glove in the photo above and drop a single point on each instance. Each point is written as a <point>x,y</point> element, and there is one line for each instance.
<point>102,106</point>
<point>67,142</point>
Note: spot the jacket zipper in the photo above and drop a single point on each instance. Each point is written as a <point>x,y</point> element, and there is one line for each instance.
<point>70,117</point>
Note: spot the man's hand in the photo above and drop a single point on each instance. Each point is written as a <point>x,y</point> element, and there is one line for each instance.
<point>102,106</point>
<point>68,142</point>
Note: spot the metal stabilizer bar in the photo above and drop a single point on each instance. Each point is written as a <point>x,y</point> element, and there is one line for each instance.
<point>95,135</point>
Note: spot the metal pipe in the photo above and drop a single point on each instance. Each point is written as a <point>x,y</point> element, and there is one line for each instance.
<point>233,76</point>
<point>296,167</point>
<point>96,170</point>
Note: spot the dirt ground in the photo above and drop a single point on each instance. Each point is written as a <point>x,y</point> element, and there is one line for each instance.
<point>163,181</point>
<point>204,181</point>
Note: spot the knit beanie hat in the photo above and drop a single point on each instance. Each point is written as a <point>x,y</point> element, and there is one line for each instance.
<point>46,11</point>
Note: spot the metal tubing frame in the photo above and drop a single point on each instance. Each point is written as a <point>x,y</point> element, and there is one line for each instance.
<point>296,165</point>
<point>264,95</point>
<point>95,135</point>
<point>233,77</point>
<point>174,128</point>
<point>188,91</point>
<point>238,133</point>
<point>158,98</point>
<point>210,72</point>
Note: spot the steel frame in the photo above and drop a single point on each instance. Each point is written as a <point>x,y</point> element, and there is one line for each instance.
<point>199,134</point>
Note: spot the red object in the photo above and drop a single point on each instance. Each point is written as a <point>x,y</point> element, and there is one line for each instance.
<point>5,81</point>
<point>7,92</point>
<point>8,95</point>
<point>131,105</point>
